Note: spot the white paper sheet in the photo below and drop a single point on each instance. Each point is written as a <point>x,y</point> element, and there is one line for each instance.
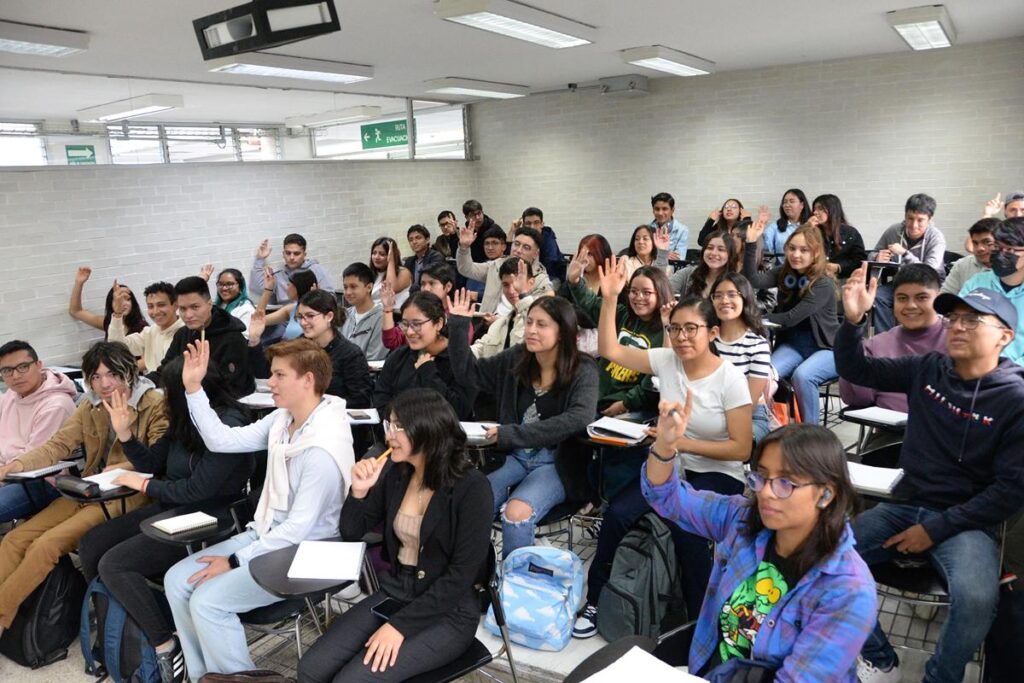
<point>631,430</point>
<point>867,479</point>
<point>51,469</point>
<point>884,416</point>
<point>104,479</point>
<point>375,365</point>
<point>637,665</point>
<point>188,522</point>
<point>258,400</point>
<point>327,560</point>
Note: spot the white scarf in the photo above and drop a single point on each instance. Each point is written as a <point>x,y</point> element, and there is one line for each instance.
<point>328,428</point>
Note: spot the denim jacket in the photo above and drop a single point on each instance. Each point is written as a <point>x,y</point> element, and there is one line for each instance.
<point>816,630</point>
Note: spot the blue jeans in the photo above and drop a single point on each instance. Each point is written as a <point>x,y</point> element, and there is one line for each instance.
<point>211,634</point>
<point>761,424</point>
<point>16,504</point>
<point>533,480</point>
<point>969,564</point>
<point>800,360</point>
<point>885,319</point>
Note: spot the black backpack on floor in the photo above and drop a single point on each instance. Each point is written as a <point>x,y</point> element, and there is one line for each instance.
<point>47,621</point>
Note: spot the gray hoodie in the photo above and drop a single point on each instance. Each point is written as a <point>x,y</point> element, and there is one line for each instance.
<point>366,334</point>
<point>930,249</point>
<point>281,275</point>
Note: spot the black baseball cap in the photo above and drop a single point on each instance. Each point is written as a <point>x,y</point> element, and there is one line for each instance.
<point>982,300</point>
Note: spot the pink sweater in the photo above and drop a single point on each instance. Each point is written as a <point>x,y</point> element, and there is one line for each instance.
<point>29,422</point>
<point>893,344</point>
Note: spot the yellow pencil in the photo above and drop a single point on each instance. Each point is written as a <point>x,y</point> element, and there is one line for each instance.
<point>202,335</point>
<point>382,457</point>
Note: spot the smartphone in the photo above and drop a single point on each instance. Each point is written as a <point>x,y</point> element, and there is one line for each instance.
<point>386,608</point>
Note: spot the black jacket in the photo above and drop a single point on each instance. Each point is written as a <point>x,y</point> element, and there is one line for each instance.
<point>817,305</point>
<point>400,373</point>
<point>710,226</point>
<point>432,258</point>
<point>477,248</point>
<point>455,537</point>
<point>350,374</point>
<point>229,352</point>
<point>181,477</point>
<point>849,254</point>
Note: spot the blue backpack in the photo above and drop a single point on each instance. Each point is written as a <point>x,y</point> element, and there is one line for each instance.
<point>541,591</point>
<point>121,650</point>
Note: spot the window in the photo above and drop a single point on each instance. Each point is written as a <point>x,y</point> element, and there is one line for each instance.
<point>440,134</point>
<point>21,145</point>
<point>135,144</point>
<point>199,143</point>
<point>176,144</point>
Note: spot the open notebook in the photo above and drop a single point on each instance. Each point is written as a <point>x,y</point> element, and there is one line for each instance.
<point>476,432</point>
<point>183,523</point>
<point>878,480</point>
<point>105,479</point>
<point>616,431</point>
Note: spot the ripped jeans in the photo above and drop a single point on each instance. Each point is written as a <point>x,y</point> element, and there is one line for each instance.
<point>529,477</point>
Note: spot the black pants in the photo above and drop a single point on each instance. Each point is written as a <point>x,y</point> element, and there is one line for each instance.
<point>337,657</point>
<point>122,557</point>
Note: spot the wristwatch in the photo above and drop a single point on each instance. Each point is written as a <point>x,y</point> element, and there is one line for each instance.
<point>233,561</point>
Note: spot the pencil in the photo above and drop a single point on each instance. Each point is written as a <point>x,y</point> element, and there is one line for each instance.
<point>202,335</point>
<point>382,457</point>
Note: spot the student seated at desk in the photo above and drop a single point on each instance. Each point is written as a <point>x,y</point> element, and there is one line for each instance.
<point>35,405</point>
<point>546,392</point>
<point>717,256</point>
<point>299,284</point>
<point>507,330</point>
<point>363,316</point>
<point>712,451</point>
<point>1007,276</point>
<point>308,471</point>
<point>152,342</point>
<point>962,460</point>
<point>438,279</point>
<point>436,512</point>
<point>133,320</point>
<point>263,276</point>
<point>233,296</point>
<point>185,472</point>
<point>32,549</point>
<point>790,591</point>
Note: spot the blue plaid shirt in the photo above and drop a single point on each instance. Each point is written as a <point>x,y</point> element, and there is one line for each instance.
<point>816,630</point>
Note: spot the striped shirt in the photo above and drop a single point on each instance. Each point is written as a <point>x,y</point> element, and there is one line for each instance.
<point>750,354</point>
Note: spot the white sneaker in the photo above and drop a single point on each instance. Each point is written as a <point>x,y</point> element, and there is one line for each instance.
<point>350,592</point>
<point>869,673</point>
<point>586,623</point>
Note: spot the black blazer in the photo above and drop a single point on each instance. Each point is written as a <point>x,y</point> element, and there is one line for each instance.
<point>455,537</point>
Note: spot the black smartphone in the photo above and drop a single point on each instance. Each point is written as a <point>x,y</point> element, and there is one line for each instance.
<point>386,608</point>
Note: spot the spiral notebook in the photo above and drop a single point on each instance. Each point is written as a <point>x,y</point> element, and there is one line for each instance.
<point>42,471</point>
<point>183,523</point>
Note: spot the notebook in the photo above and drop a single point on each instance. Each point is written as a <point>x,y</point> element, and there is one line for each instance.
<point>894,418</point>
<point>183,523</point>
<point>105,479</point>
<point>477,431</point>
<point>42,471</point>
<point>878,480</point>
<point>637,665</point>
<point>327,561</point>
<point>615,431</point>
<point>363,416</point>
<point>375,365</point>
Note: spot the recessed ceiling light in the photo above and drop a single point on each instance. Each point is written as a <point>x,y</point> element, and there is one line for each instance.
<point>468,87</point>
<point>334,117</point>
<point>515,20</point>
<point>924,28</point>
<point>40,41</point>
<point>133,107</point>
<point>281,66</point>
<point>665,59</point>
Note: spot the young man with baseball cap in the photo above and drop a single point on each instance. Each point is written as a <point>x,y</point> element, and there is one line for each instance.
<point>962,461</point>
<point>1006,276</point>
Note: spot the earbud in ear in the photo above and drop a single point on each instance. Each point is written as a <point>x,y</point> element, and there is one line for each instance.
<point>826,496</point>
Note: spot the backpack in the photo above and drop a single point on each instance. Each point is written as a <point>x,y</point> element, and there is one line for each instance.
<point>121,650</point>
<point>47,621</point>
<point>643,596</point>
<point>541,590</point>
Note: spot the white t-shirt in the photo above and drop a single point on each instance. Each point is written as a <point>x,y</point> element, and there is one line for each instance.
<point>721,391</point>
<point>400,297</point>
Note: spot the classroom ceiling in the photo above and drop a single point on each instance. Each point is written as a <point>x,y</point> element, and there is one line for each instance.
<point>148,46</point>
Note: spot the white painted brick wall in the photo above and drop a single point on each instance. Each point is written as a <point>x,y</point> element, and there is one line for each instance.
<point>872,130</point>
<point>144,223</point>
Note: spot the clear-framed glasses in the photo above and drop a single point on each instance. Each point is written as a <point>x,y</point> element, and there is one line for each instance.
<point>392,428</point>
<point>722,296</point>
<point>687,331</point>
<point>734,207</point>
<point>413,325</point>
<point>641,293</point>
<point>781,487</point>
<point>968,321</point>
<point>307,317</point>
<point>226,285</point>
<point>20,368</point>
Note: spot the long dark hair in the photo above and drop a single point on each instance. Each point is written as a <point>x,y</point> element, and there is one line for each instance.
<point>324,302</point>
<point>816,453</point>
<point>180,427</point>
<point>304,280</point>
<point>393,253</point>
<point>433,428</point>
<point>721,223</point>
<point>133,322</point>
<point>431,306</point>
<point>567,358</point>
<point>750,314</point>
<point>662,289</point>
<point>631,249</point>
<point>805,212</point>
<point>830,230</point>
<point>699,279</point>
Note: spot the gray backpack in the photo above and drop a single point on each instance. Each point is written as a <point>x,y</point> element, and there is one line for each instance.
<point>643,596</point>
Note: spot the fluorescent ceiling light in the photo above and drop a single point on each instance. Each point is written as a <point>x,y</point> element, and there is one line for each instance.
<point>133,107</point>
<point>335,117</point>
<point>281,66</point>
<point>516,21</point>
<point>924,28</point>
<point>39,41</point>
<point>665,59</point>
<point>468,87</point>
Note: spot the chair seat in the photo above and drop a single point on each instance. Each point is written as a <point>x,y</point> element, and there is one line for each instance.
<point>271,614</point>
<point>475,656</point>
<point>921,579</point>
<point>560,512</point>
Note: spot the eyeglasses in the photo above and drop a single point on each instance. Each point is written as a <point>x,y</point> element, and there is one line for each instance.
<point>730,206</point>
<point>967,321</point>
<point>392,428</point>
<point>226,285</point>
<point>641,293</point>
<point>20,368</point>
<point>687,331</point>
<point>413,325</point>
<point>307,317</point>
<point>782,488</point>
<point>722,296</point>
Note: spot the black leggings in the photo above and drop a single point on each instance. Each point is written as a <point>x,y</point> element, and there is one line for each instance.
<point>122,557</point>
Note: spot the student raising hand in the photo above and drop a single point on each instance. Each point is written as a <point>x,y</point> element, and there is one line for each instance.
<point>672,420</point>
<point>859,297</point>
<point>662,238</point>
<point>263,251</point>
<point>467,234</point>
<point>121,416</point>
<point>257,326</point>
<point>460,304</point>
<point>578,265</point>
<point>756,229</point>
<point>197,359</point>
<point>613,277</point>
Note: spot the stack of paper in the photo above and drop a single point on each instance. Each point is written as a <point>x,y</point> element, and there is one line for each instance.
<point>42,471</point>
<point>476,432</point>
<point>182,523</point>
<point>258,400</point>
<point>105,479</point>
<point>618,432</point>
<point>877,480</point>
<point>884,416</point>
<point>375,365</point>
<point>327,561</point>
<point>640,666</point>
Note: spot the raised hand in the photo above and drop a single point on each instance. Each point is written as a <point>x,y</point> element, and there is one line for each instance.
<point>672,420</point>
<point>578,265</point>
<point>206,271</point>
<point>257,326</point>
<point>121,416</point>
<point>756,229</point>
<point>460,305</point>
<point>662,238</point>
<point>122,304</point>
<point>763,214</point>
<point>993,206</point>
<point>268,278</point>
<point>83,274</point>
<point>197,359</point>
<point>263,251</point>
<point>364,475</point>
<point>858,298</point>
<point>715,215</point>
<point>613,277</point>
<point>666,313</point>
<point>521,282</point>
<point>387,296</point>
<point>466,236</point>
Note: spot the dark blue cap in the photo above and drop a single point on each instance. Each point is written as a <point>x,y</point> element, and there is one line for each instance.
<point>982,300</point>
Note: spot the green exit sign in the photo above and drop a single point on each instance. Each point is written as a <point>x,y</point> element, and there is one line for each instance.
<point>384,134</point>
<point>80,154</point>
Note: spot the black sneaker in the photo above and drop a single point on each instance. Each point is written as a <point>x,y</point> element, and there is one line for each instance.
<point>171,664</point>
